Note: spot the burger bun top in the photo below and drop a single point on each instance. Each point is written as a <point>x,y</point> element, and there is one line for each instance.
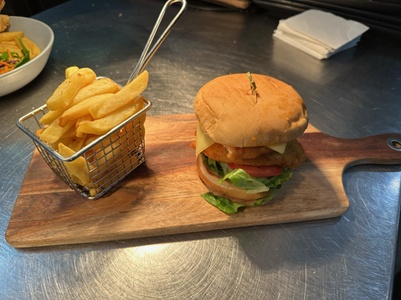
<point>231,114</point>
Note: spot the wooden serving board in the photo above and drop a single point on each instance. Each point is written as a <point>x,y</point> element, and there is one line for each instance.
<point>162,196</point>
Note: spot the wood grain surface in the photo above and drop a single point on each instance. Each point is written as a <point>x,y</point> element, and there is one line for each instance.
<point>162,196</point>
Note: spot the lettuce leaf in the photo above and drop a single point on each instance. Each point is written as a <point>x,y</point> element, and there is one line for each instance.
<point>26,58</point>
<point>230,207</point>
<point>241,179</point>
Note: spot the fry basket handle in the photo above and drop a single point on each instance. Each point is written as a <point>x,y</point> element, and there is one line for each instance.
<point>146,54</point>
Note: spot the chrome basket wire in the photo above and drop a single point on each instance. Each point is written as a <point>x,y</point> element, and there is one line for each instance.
<point>109,158</point>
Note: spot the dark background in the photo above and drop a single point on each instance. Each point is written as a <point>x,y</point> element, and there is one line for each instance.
<point>28,8</point>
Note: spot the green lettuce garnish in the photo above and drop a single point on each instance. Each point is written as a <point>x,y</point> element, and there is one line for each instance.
<point>241,179</point>
<point>230,207</point>
<point>25,52</point>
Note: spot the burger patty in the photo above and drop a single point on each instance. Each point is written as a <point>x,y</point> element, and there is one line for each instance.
<point>293,156</point>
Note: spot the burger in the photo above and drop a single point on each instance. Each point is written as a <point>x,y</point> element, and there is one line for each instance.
<point>246,139</point>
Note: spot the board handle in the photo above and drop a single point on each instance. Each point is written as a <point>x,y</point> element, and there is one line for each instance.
<point>376,149</point>
<point>379,149</point>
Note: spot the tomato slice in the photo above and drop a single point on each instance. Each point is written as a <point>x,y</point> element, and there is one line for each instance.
<point>259,171</point>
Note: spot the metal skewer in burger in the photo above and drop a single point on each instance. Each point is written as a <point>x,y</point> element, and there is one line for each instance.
<point>246,141</point>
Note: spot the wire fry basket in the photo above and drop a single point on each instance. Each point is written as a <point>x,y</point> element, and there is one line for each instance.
<point>108,159</point>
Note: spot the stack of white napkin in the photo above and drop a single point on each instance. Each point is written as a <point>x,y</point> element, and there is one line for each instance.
<point>320,34</point>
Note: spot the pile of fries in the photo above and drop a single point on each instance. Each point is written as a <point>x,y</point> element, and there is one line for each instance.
<point>84,108</point>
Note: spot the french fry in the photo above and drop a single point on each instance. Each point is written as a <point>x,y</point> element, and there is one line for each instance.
<point>70,70</point>
<point>40,130</point>
<point>50,116</point>
<point>54,132</point>
<point>81,109</point>
<point>103,125</point>
<point>34,50</point>
<point>122,97</point>
<point>99,86</point>
<point>86,118</point>
<point>77,168</point>
<point>70,133</point>
<point>104,157</point>
<point>67,90</point>
<point>73,142</point>
<point>9,46</point>
<point>10,35</point>
<point>116,159</point>
<point>9,43</point>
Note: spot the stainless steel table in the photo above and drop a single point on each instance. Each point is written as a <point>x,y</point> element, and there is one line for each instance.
<point>353,94</point>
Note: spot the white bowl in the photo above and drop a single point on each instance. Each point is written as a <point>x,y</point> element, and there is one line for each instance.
<point>43,36</point>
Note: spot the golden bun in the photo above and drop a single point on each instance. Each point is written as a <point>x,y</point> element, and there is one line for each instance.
<point>231,115</point>
<point>225,188</point>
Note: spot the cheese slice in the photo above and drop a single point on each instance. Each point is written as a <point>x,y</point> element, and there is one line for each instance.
<point>280,148</point>
<point>203,141</point>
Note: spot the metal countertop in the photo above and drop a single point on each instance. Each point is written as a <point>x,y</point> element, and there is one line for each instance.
<point>353,94</point>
